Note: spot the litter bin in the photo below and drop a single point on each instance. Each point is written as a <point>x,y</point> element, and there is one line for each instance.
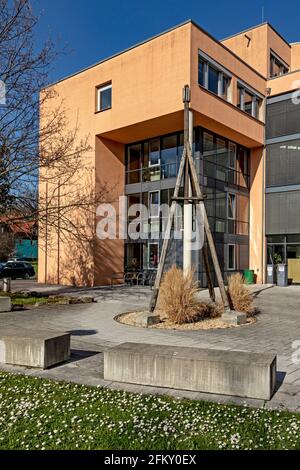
<point>249,276</point>
<point>282,275</point>
<point>271,274</point>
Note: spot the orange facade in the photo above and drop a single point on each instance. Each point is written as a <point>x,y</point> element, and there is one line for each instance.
<point>147,82</point>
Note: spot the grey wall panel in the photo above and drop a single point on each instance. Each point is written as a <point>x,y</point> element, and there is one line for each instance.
<point>283,163</point>
<point>283,213</point>
<point>283,118</point>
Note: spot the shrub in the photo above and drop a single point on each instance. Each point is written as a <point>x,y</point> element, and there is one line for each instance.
<point>178,298</point>
<point>240,296</point>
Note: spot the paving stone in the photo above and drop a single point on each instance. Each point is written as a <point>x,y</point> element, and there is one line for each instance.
<point>93,328</point>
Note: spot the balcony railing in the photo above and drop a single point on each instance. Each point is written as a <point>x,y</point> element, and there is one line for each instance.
<point>205,167</point>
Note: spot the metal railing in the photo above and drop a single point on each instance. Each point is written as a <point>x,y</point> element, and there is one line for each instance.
<point>205,167</point>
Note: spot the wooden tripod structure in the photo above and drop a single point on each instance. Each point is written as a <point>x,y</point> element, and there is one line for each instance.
<point>188,170</point>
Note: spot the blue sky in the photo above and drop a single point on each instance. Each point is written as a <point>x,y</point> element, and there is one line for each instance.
<point>92,30</point>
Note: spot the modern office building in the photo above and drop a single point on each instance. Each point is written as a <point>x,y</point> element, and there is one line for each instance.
<point>246,142</point>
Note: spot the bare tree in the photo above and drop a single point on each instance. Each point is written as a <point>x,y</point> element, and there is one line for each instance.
<point>28,148</point>
<point>6,245</point>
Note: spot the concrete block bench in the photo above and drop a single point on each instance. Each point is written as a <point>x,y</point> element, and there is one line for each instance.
<point>40,349</point>
<point>234,373</point>
<point>5,304</point>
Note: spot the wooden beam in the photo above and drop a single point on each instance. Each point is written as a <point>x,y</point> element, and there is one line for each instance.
<point>214,256</point>
<point>167,235</point>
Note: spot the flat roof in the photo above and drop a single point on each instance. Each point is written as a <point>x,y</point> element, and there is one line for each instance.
<point>190,21</point>
<point>255,27</point>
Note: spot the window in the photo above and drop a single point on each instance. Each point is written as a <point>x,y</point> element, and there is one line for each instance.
<point>133,163</point>
<point>249,102</point>
<point>209,155</point>
<point>231,212</point>
<point>231,206</point>
<point>213,77</point>
<point>153,254</point>
<point>277,66</point>
<point>225,87</point>
<point>154,152</point>
<point>104,97</point>
<point>222,155</point>
<point>242,168</point>
<point>231,163</point>
<point>169,156</point>
<point>154,202</point>
<point>201,72</point>
<point>231,258</point>
<point>213,80</point>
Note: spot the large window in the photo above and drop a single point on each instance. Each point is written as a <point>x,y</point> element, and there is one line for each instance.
<point>213,77</point>
<point>154,152</point>
<point>154,202</point>
<point>249,101</point>
<point>169,156</point>
<point>224,161</point>
<point>154,159</point>
<point>133,163</point>
<point>277,66</point>
<point>104,97</point>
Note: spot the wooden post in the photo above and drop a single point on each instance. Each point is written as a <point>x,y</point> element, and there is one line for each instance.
<point>167,235</point>
<point>208,275</point>
<point>214,256</point>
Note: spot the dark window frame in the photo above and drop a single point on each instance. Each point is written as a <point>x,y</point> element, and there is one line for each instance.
<point>223,76</point>
<point>276,60</point>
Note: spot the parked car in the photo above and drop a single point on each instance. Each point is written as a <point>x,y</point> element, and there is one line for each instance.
<point>17,270</point>
<point>14,259</point>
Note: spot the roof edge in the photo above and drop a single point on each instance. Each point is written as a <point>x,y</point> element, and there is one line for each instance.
<point>119,53</point>
<point>255,27</point>
<point>189,21</point>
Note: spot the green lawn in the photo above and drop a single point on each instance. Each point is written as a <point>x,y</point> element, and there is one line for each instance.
<point>41,414</point>
<point>24,299</point>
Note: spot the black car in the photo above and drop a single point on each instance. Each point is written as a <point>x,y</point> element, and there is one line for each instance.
<point>16,270</point>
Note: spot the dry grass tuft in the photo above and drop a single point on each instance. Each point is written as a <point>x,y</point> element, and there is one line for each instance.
<point>179,302</point>
<point>241,297</point>
<point>178,299</point>
<point>178,296</point>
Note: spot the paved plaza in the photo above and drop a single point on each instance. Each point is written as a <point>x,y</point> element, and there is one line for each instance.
<point>93,329</point>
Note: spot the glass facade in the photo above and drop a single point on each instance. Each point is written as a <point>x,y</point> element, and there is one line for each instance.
<point>223,169</point>
<point>285,249</point>
<point>283,185</point>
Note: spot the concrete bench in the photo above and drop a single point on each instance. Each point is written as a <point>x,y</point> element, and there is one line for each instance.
<point>5,304</point>
<point>40,349</point>
<point>234,373</point>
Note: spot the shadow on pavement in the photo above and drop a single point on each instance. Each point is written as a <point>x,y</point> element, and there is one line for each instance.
<point>82,332</point>
<point>257,292</point>
<point>280,376</point>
